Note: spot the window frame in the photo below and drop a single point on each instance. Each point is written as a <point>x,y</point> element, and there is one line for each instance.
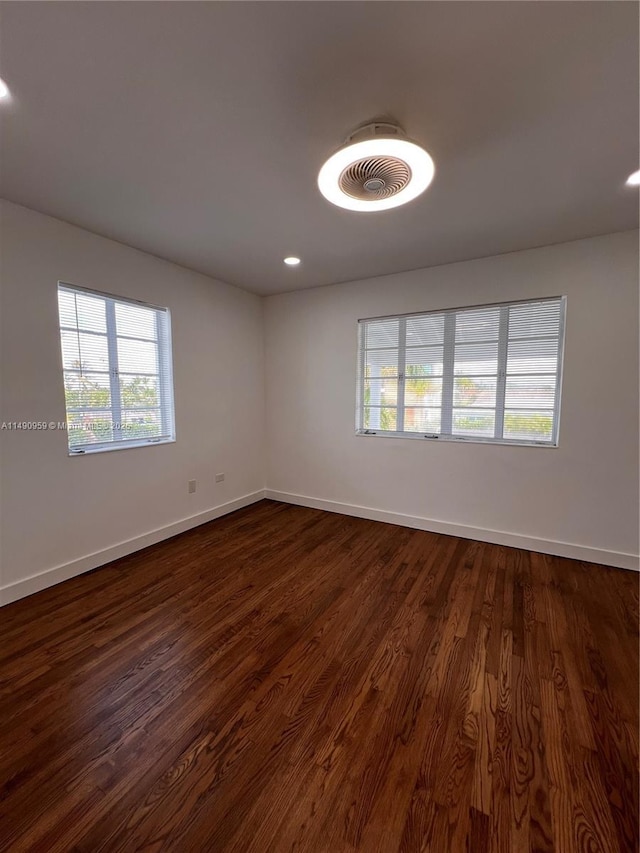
<point>163,341</point>
<point>448,373</point>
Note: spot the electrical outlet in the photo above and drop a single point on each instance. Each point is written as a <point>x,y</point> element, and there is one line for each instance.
<point>219,478</point>
<point>192,486</point>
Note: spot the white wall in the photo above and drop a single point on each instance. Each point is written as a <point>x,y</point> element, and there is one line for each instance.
<point>583,493</point>
<point>61,515</point>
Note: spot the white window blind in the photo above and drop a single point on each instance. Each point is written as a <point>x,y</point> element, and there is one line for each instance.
<point>488,373</point>
<point>116,360</point>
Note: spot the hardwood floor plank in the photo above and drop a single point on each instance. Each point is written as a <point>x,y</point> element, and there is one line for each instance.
<point>289,679</point>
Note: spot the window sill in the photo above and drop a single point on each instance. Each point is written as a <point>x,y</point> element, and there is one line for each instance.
<point>455,438</point>
<point>90,451</point>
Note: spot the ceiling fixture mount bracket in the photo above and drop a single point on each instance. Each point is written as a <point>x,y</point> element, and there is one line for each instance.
<point>377,168</point>
<point>375,129</point>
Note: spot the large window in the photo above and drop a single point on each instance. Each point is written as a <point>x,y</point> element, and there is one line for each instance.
<point>116,359</point>
<point>489,373</point>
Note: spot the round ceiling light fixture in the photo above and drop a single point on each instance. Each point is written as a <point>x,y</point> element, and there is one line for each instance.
<point>377,168</point>
<point>292,261</point>
<point>4,89</point>
<point>634,179</point>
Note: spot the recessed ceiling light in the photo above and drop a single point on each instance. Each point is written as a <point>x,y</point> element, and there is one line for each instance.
<point>376,169</point>
<point>4,89</point>
<point>634,180</point>
<point>291,261</point>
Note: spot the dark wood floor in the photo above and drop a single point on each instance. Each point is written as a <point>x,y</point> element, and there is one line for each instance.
<point>288,679</point>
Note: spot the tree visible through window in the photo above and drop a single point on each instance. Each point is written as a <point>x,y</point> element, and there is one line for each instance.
<point>490,373</point>
<point>116,357</point>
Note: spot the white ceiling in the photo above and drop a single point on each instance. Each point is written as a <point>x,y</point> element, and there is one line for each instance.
<point>195,131</point>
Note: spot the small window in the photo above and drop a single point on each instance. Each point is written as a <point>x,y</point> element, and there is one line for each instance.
<point>116,361</point>
<point>490,373</point>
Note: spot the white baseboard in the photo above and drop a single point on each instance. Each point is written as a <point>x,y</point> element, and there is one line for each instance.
<point>35,583</point>
<point>497,537</point>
